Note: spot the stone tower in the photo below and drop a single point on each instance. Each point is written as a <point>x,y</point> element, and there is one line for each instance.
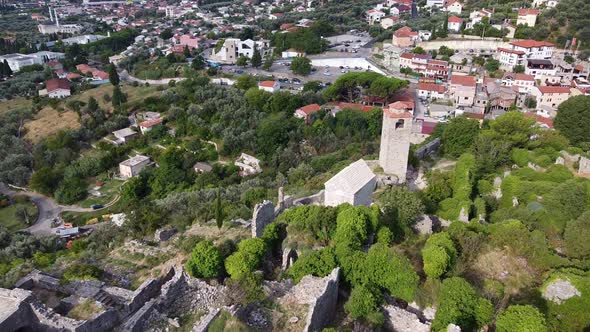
<point>395,141</point>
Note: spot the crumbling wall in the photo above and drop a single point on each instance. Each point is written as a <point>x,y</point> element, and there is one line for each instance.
<point>323,309</point>
<point>138,321</point>
<point>264,214</point>
<point>427,149</point>
<point>149,289</point>
<point>402,320</point>
<point>172,288</point>
<point>204,323</point>
<point>315,199</point>
<point>103,322</point>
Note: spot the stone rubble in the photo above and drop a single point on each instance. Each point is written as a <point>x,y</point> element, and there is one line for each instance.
<point>560,290</point>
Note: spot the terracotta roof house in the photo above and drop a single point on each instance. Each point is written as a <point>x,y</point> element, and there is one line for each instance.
<point>57,88</point>
<point>305,111</point>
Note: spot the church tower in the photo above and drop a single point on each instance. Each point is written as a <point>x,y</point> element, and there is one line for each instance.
<point>395,140</point>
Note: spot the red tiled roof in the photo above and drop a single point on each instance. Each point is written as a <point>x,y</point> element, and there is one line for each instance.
<point>524,77</point>
<point>57,83</point>
<point>455,19</point>
<point>72,76</point>
<point>100,74</point>
<point>431,87</point>
<point>267,84</point>
<point>405,32</point>
<point>529,43</point>
<point>397,113</point>
<point>353,106</point>
<point>554,89</point>
<point>308,109</point>
<point>452,2</point>
<point>84,68</point>
<point>151,123</point>
<point>463,80</point>
<point>526,11</point>
<point>540,119</point>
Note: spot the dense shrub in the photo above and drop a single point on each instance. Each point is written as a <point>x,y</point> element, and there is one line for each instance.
<point>521,318</point>
<point>205,261</point>
<point>318,263</point>
<point>439,254</point>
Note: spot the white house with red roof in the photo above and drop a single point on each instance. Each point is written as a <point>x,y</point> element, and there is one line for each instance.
<point>56,88</point>
<point>431,91</point>
<point>453,6</point>
<point>454,24</point>
<point>477,15</point>
<point>522,50</point>
<point>524,82</point>
<point>149,125</point>
<point>527,17</point>
<point>462,90</point>
<point>374,16</point>
<point>269,86</point>
<point>306,111</point>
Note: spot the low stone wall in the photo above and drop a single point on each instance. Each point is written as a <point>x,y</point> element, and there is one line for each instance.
<point>204,323</point>
<point>148,290</point>
<point>315,199</point>
<point>103,322</point>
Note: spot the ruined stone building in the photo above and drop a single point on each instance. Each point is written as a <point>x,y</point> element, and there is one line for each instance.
<point>395,142</point>
<point>353,185</point>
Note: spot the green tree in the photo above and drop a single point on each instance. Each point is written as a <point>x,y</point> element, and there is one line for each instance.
<point>458,302</point>
<point>245,82</point>
<point>242,61</point>
<point>45,180</point>
<point>402,205</point>
<point>268,62</point>
<point>318,263</point>
<point>70,190</point>
<point>363,304</point>
<point>521,318</point>
<point>218,210</point>
<point>118,97</point>
<point>518,69</point>
<point>439,254</point>
<point>458,136</point>
<point>256,58</point>
<point>186,52</point>
<point>113,75</point>
<point>575,233</point>
<point>166,34</point>
<point>198,62</point>
<point>301,65</point>
<point>313,86</point>
<point>573,120</point>
<point>205,261</point>
<point>418,50</point>
<point>492,65</point>
<point>444,31</point>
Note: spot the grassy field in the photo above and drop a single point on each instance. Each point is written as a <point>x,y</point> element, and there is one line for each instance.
<point>8,217</point>
<point>134,94</point>
<point>48,122</point>
<point>80,218</point>
<point>109,191</point>
<point>15,104</point>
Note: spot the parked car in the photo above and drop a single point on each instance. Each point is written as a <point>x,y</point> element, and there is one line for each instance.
<point>96,206</point>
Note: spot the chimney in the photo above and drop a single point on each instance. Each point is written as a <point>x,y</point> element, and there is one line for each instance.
<point>50,14</point>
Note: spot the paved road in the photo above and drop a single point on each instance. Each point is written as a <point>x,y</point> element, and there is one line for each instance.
<point>48,209</point>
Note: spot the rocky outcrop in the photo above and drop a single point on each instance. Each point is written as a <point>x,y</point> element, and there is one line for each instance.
<point>584,168</point>
<point>164,234</point>
<point>402,320</point>
<point>560,290</point>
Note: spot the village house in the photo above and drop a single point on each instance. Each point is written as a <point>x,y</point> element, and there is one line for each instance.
<point>545,3</point>
<point>374,16</point>
<point>522,50</point>
<point>353,185</point>
<point>549,98</point>
<point>16,61</point>
<point>233,48</point>
<point>404,37</point>
<point>390,21</point>
<point>430,91</point>
<point>453,6</point>
<point>462,90</point>
<point>524,82</point>
<point>146,126</point>
<point>133,166</point>
<point>292,53</point>
<point>477,16</point>
<point>424,64</point>
<point>542,69</point>
<point>527,17</point>
<point>454,24</point>
<point>435,3</point>
<point>269,86</point>
<point>202,167</point>
<point>124,135</point>
<point>56,88</point>
<point>306,111</point>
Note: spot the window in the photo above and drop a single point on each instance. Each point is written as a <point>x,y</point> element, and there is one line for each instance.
<point>399,124</point>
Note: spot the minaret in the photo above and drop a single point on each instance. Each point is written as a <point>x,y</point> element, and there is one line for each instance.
<point>50,14</point>
<point>395,140</point>
<point>56,18</point>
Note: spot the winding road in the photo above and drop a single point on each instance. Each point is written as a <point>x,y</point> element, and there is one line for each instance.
<point>48,209</point>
